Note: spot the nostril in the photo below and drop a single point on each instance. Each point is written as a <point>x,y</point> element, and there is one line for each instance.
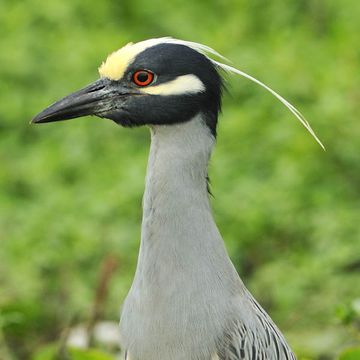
<point>95,89</point>
<point>98,85</point>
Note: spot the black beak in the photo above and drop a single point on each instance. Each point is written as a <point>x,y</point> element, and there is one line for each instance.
<point>95,99</point>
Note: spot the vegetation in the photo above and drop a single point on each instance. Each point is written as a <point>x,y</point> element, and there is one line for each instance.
<point>70,193</point>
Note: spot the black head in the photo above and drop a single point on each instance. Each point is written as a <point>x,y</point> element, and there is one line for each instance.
<point>155,82</point>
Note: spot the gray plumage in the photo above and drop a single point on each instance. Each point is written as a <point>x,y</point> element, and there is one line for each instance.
<point>187,301</point>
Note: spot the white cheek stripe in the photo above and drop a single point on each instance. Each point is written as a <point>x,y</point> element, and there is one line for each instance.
<point>185,84</point>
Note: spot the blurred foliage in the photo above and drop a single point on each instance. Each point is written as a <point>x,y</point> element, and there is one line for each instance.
<point>70,193</point>
<point>350,354</point>
<point>50,352</point>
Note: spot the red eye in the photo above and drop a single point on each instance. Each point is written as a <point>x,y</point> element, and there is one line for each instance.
<point>143,77</point>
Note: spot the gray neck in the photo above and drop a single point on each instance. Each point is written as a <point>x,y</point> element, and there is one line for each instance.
<point>183,272</point>
<point>179,235</point>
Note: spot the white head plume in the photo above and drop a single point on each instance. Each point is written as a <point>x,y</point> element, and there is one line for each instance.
<point>207,51</point>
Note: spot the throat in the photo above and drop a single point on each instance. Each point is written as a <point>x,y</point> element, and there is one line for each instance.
<point>177,217</point>
<point>176,178</point>
<point>183,271</point>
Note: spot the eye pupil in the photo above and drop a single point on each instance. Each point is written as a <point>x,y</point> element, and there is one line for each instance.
<point>143,77</point>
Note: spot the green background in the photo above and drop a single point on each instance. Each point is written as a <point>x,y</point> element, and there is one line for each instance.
<point>70,193</point>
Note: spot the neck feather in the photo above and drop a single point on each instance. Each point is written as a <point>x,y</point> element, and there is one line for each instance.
<point>183,270</point>
<point>178,230</point>
<point>176,181</point>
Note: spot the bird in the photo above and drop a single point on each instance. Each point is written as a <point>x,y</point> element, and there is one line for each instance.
<point>187,301</point>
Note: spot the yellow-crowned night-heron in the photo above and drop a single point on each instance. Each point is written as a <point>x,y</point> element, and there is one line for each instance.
<point>187,302</point>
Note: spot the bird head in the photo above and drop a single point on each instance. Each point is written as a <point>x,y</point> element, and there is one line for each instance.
<point>160,81</point>
<point>153,82</point>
